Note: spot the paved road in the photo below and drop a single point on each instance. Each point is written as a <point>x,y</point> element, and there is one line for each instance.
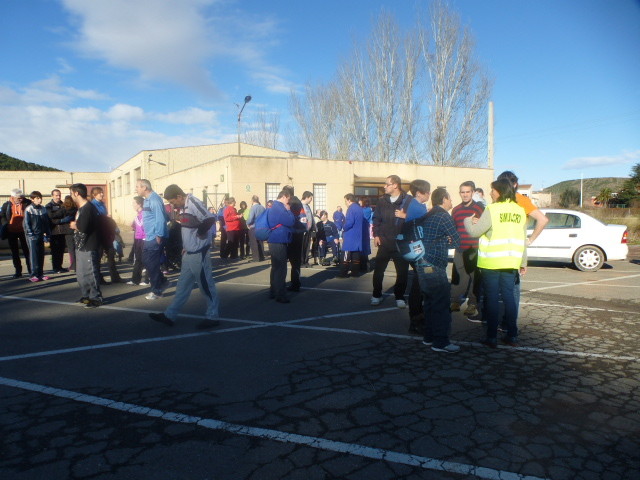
<point>324,387</point>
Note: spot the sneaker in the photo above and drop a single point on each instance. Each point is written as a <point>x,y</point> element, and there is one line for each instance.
<point>61,270</point>
<point>477,318</point>
<point>93,303</point>
<point>144,284</point>
<point>152,296</point>
<point>44,277</point>
<point>34,279</point>
<point>401,304</point>
<point>83,300</point>
<point>455,307</point>
<point>490,343</point>
<point>162,318</point>
<point>470,311</point>
<point>131,283</point>
<point>451,348</point>
<point>376,300</point>
<point>203,325</point>
<point>427,343</point>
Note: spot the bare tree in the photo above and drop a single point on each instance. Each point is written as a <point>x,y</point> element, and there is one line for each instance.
<point>263,129</point>
<point>418,97</point>
<point>459,91</point>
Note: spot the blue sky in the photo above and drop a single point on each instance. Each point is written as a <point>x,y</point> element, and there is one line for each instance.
<point>85,85</point>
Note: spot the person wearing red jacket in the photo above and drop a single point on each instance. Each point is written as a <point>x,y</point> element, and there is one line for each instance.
<point>232,223</point>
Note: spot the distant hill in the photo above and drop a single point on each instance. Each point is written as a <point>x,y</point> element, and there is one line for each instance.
<point>591,187</point>
<point>10,163</point>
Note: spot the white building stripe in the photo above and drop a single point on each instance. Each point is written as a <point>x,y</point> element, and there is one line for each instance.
<point>276,435</point>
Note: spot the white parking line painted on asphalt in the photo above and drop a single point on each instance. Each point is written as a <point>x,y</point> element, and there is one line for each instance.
<point>578,307</point>
<point>275,435</point>
<point>593,282</point>
<point>128,343</point>
<point>296,324</point>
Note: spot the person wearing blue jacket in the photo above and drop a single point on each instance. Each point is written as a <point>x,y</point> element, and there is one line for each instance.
<point>351,238</point>
<point>37,230</point>
<point>281,221</point>
<point>154,221</point>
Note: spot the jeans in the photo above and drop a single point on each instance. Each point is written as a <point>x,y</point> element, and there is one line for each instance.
<point>152,258</point>
<point>294,253</point>
<point>436,291</point>
<point>196,268</point>
<point>500,284</point>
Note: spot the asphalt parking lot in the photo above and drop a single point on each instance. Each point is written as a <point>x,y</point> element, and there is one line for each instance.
<point>324,387</point>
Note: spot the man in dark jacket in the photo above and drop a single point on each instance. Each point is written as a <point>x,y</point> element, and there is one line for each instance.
<point>13,216</point>
<point>57,217</point>
<point>386,227</point>
<point>296,245</point>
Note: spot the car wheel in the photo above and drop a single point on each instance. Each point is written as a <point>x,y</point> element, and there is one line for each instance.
<point>588,258</point>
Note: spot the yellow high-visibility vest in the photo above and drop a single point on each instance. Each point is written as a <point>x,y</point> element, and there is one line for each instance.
<point>507,243</point>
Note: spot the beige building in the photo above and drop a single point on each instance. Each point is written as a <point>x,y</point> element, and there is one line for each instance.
<point>213,172</point>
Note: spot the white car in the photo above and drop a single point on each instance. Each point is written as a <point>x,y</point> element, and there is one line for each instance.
<point>578,238</point>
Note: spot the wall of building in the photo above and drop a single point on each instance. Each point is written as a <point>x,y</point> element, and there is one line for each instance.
<point>200,171</point>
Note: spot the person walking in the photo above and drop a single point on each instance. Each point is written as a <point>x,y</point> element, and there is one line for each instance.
<point>154,220</point>
<point>195,222</point>
<point>87,241</point>
<point>502,255</point>
<point>386,227</point>
<point>37,231</point>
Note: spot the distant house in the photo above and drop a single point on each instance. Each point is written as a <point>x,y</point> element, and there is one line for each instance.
<point>525,190</point>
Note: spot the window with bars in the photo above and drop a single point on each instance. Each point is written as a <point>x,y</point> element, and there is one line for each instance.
<point>320,196</point>
<point>127,183</point>
<point>271,192</point>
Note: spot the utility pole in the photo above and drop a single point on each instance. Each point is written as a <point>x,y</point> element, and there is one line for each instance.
<point>490,134</point>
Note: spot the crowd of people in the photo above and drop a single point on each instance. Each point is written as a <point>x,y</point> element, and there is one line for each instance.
<point>489,241</point>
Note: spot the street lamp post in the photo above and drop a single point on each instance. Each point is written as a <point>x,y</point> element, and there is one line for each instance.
<point>247,99</point>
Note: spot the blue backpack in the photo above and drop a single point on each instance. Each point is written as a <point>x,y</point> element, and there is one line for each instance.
<point>262,228</point>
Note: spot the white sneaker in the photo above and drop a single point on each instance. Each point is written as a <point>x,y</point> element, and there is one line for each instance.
<point>143,284</point>
<point>131,283</point>
<point>152,296</point>
<point>451,348</point>
<point>376,300</point>
<point>401,304</point>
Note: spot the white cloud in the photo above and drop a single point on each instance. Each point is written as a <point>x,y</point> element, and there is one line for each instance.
<point>593,162</point>
<point>189,116</point>
<point>89,138</point>
<point>178,41</point>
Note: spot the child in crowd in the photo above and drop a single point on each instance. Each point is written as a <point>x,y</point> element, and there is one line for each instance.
<point>138,242</point>
<point>37,230</point>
